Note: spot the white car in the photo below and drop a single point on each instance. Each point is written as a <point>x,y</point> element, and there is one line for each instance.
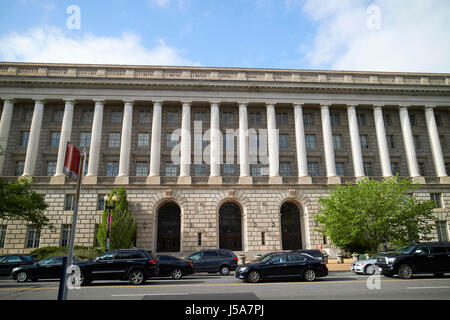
<point>367,266</point>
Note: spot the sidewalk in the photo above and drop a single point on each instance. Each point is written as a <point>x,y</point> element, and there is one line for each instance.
<point>332,265</point>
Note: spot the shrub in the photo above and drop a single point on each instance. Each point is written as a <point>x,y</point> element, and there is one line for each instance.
<point>79,252</point>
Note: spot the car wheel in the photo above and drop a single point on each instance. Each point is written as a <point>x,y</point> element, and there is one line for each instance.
<point>176,274</point>
<point>137,277</point>
<point>22,276</point>
<point>224,270</point>
<point>309,275</point>
<point>405,271</point>
<point>370,269</point>
<point>438,274</point>
<point>253,276</point>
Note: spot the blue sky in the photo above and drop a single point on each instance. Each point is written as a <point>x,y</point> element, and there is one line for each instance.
<point>382,35</point>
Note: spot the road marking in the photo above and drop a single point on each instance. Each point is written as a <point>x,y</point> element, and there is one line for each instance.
<point>427,288</point>
<point>149,294</point>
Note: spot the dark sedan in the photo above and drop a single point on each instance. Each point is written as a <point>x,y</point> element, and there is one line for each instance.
<point>283,265</point>
<point>174,267</point>
<point>48,268</point>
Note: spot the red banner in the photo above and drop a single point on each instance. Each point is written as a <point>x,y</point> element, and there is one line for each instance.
<point>72,162</point>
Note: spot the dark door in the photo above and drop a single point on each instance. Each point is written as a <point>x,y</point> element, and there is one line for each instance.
<point>230,227</point>
<point>169,228</point>
<point>290,227</point>
<point>165,264</point>
<point>440,258</point>
<point>10,263</point>
<point>48,268</point>
<point>210,261</point>
<point>423,261</point>
<point>277,267</point>
<point>103,267</point>
<point>197,262</point>
<point>295,265</point>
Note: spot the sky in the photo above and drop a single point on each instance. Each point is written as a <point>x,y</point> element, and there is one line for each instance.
<point>361,35</point>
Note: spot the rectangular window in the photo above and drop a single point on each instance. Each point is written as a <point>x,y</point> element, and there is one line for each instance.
<point>308,119</point>
<point>28,115</point>
<point>437,197</point>
<point>437,118</point>
<point>171,170</point>
<point>443,142</point>
<point>283,141</point>
<point>254,118</point>
<point>442,231</point>
<point>58,116</point>
<point>101,202</point>
<point>368,170</point>
<point>361,119</point>
<point>171,140</point>
<point>144,117</point>
<point>172,117</point>
<point>447,168</point>
<point>199,239</point>
<point>200,170</point>
<point>24,136</point>
<point>387,120</point>
<point>2,236</point>
<point>335,119</point>
<point>281,119</point>
<point>200,116</point>
<point>141,169</point>
<point>87,116</point>
<point>337,141</point>
<point>313,169</point>
<point>32,240</point>
<point>412,119</point>
<point>69,202</point>
<point>228,170</point>
<point>85,139</point>
<point>256,170</point>
<point>54,140</point>
<point>112,168</point>
<point>395,167</point>
<point>114,139</point>
<point>116,116</point>
<point>422,169</point>
<point>143,140</point>
<point>51,168</point>
<point>285,169</point>
<point>310,141</point>
<point>390,141</point>
<point>364,141</point>
<point>227,117</point>
<point>340,169</point>
<point>65,235</point>
<point>263,238</point>
<point>417,144</point>
<point>20,166</point>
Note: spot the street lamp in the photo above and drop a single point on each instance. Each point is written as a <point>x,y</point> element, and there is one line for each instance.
<point>109,209</point>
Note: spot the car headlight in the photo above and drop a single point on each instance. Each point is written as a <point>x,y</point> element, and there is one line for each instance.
<point>243,269</point>
<point>391,260</point>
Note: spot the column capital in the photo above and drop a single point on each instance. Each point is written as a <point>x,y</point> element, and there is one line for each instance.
<point>242,103</point>
<point>352,105</point>
<point>214,102</point>
<point>69,99</point>
<point>160,102</point>
<point>270,105</point>
<point>186,102</point>
<point>102,101</point>
<point>299,103</point>
<point>128,101</point>
<point>430,106</point>
<point>377,105</point>
<point>5,100</point>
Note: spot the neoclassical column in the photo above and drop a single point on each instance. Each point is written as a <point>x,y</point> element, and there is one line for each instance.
<point>244,177</point>
<point>302,161</point>
<point>33,141</point>
<point>185,156</point>
<point>330,160</point>
<point>383,149</point>
<point>358,164</point>
<point>436,150</point>
<point>155,148</point>
<point>66,131</point>
<point>5,125</point>
<point>94,150</point>
<point>273,146</point>
<point>125,144</point>
<point>408,141</point>
<point>216,146</point>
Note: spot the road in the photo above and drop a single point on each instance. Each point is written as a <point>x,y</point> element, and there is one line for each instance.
<point>337,286</point>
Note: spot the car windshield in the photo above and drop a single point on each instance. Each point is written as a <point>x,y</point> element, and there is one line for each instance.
<point>46,261</point>
<point>266,258</point>
<point>405,249</point>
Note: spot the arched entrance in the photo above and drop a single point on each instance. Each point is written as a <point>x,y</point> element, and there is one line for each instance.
<point>169,228</point>
<point>230,227</point>
<point>291,234</point>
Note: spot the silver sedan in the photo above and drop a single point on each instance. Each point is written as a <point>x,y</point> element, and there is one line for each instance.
<point>367,266</point>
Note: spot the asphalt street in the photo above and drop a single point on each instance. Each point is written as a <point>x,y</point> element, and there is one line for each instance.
<point>338,285</point>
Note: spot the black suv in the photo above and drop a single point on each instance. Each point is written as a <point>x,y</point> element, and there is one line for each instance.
<point>123,264</point>
<point>418,258</point>
<point>216,260</point>
<point>9,262</point>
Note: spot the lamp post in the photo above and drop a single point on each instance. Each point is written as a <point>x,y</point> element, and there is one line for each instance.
<point>109,209</point>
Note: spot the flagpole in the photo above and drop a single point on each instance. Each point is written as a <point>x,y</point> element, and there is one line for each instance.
<point>74,222</point>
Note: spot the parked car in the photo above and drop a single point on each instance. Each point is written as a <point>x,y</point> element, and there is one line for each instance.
<point>406,261</point>
<point>48,268</point>
<point>216,260</point>
<point>367,266</point>
<point>312,252</point>
<point>283,265</point>
<point>174,267</point>
<point>133,265</point>
<point>9,262</point>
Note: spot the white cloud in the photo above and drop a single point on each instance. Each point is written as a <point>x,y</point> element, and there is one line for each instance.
<point>166,3</point>
<point>53,46</point>
<point>412,35</point>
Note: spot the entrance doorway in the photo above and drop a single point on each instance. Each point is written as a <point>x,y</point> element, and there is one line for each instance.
<point>169,228</point>
<point>230,227</point>
<point>290,227</point>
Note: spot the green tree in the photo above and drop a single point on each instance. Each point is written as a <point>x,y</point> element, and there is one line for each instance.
<point>123,224</point>
<point>374,213</point>
<point>18,202</point>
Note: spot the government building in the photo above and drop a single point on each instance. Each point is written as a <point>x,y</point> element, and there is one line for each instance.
<point>216,157</point>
